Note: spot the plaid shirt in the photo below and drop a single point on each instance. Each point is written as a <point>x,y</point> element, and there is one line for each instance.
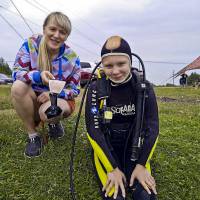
<point>65,67</point>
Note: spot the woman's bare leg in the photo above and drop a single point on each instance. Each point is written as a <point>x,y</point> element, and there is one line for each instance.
<point>25,103</point>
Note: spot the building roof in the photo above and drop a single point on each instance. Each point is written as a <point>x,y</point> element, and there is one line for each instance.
<point>193,65</point>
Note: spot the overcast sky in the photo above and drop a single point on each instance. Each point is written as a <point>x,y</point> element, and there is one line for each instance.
<point>158,31</point>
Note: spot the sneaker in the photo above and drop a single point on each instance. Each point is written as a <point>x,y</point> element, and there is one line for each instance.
<point>33,147</point>
<point>56,130</point>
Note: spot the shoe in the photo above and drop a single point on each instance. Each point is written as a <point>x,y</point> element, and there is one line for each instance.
<point>56,131</point>
<point>33,147</point>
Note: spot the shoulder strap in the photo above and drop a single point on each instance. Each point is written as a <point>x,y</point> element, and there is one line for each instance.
<point>140,86</point>
<point>103,85</point>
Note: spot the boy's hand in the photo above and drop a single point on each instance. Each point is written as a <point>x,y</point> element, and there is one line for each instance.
<point>117,179</point>
<point>144,177</point>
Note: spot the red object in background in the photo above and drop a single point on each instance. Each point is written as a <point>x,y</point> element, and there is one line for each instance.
<point>86,72</point>
<point>85,75</point>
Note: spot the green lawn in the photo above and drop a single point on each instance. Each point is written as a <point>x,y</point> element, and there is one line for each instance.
<point>176,161</point>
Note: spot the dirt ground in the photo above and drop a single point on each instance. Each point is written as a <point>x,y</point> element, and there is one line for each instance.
<point>183,100</point>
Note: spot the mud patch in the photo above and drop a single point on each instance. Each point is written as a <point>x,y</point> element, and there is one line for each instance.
<point>179,100</point>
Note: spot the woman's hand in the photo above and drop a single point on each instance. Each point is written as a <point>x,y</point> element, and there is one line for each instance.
<point>117,179</point>
<point>46,76</point>
<point>144,177</point>
<point>44,97</point>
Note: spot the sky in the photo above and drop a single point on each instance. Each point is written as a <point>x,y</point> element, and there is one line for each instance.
<point>165,34</point>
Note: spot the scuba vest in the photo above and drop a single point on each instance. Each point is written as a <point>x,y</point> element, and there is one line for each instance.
<point>103,91</point>
<point>140,87</point>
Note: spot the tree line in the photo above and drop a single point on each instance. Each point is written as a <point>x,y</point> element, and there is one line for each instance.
<point>4,67</point>
<point>193,79</point>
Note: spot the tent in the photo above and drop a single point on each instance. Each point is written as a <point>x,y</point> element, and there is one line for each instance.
<point>193,65</point>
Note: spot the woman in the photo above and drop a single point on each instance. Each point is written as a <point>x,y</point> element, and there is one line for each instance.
<point>111,109</point>
<point>41,58</point>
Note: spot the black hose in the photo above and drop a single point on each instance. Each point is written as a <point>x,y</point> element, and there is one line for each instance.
<point>71,169</point>
<point>143,68</point>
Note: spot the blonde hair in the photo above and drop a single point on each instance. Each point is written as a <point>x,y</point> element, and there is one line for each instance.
<point>61,20</point>
<point>113,42</point>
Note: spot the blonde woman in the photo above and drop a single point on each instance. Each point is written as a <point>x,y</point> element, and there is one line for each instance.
<point>41,58</point>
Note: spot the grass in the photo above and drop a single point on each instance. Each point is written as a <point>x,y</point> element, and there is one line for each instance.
<point>176,161</point>
<point>189,93</point>
<point>177,157</point>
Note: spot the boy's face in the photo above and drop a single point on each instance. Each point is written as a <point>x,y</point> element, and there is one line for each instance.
<point>116,67</point>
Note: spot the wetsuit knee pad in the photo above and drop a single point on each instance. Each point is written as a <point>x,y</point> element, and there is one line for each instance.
<point>141,194</point>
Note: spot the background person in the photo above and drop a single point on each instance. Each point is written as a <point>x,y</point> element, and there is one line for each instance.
<point>112,142</point>
<point>183,80</point>
<point>41,58</point>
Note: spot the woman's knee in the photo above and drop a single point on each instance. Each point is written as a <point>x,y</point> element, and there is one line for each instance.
<point>66,107</point>
<point>19,89</point>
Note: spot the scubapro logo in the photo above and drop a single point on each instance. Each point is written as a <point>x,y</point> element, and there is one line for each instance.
<point>94,110</point>
<point>124,110</point>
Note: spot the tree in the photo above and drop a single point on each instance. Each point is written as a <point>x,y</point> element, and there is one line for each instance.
<point>4,67</point>
<point>193,78</point>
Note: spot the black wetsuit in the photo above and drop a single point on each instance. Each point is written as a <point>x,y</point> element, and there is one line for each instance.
<point>116,141</point>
